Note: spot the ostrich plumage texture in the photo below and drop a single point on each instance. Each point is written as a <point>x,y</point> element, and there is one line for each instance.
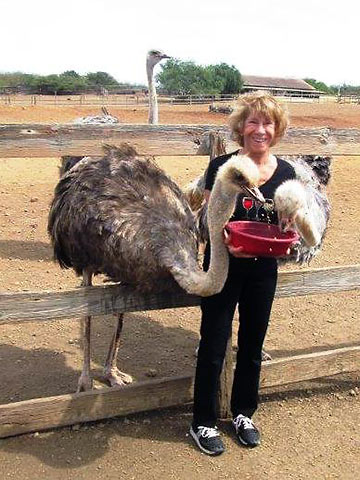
<point>122,216</point>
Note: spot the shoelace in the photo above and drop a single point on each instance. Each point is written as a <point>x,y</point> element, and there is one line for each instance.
<point>246,421</point>
<point>208,432</point>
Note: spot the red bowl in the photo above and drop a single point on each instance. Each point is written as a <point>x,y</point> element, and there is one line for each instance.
<point>259,238</point>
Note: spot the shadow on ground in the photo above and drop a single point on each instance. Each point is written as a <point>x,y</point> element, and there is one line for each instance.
<point>26,250</point>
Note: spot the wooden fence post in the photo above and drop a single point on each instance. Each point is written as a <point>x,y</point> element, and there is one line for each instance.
<point>226,380</point>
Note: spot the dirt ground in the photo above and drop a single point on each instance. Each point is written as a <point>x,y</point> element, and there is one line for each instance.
<point>309,431</point>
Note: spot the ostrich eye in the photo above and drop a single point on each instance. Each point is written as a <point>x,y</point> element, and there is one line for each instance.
<point>239,177</point>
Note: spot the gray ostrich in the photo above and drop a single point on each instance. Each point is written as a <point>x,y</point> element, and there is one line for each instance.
<point>120,215</point>
<point>152,59</point>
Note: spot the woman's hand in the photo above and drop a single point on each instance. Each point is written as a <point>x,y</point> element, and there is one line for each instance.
<point>237,252</point>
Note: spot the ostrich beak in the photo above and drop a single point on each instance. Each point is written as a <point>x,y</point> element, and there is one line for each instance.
<point>254,193</point>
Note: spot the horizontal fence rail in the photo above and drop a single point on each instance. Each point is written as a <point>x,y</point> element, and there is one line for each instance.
<point>44,413</point>
<point>56,140</point>
<point>112,299</point>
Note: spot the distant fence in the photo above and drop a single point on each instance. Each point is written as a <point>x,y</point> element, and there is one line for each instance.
<point>348,99</point>
<point>138,99</point>
<point>123,100</point>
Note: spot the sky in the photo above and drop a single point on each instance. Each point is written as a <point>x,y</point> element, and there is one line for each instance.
<point>303,39</point>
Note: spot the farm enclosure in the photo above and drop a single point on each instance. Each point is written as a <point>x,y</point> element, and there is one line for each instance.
<point>33,355</point>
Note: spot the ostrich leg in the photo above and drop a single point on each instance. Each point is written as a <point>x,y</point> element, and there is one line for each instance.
<point>111,373</point>
<point>85,381</point>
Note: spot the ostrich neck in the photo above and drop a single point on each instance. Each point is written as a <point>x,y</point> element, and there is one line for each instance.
<point>153,107</point>
<point>307,228</point>
<point>220,208</point>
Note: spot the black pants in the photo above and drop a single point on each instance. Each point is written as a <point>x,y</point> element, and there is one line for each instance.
<point>251,284</point>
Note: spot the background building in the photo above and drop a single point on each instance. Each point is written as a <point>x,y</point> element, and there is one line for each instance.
<point>279,86</point>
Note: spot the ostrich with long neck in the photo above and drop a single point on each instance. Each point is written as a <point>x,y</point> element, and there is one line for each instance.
<point>153,58</point>
<point>121,216</point>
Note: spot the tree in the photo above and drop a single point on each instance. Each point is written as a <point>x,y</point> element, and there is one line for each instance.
<point>71,73</point>
<point>228,77</point>
<point>102,79</point>
<point>321,86</point>
<point>187,78</point>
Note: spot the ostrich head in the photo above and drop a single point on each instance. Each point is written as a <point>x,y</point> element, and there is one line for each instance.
<point>291,204</point>
<point>154,57</point>
<point>240,172</point>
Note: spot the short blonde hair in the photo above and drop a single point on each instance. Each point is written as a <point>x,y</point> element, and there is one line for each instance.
<point>258,103</point>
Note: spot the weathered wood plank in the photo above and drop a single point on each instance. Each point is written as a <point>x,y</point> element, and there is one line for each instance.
<point>299,368</point>
<point>44,413</point>
<point>41,140</point>
<point>226,381</point>
<point>50,412</point>
<point>87,301</point>
<point>116,299</point>
<point>318,280</point>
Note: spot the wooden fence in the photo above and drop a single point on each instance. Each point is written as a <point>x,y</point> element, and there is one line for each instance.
<point>44,413</point>
<point>138,99</point>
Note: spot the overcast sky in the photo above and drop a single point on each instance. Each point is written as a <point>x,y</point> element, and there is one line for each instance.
<point>308,38</point>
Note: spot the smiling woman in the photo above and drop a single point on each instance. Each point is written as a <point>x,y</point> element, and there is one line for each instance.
<point>257,125</point>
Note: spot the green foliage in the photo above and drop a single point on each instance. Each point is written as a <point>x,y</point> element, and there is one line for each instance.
<point>69,82</point>
<point>101,78</point>
<point>15,79</point>
<point>187,78</point>
<point>321,86</point>
<point>228,77</point>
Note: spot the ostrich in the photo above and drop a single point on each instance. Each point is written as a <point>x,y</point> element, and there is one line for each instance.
<point>153,57</point>
<point>120,215</point>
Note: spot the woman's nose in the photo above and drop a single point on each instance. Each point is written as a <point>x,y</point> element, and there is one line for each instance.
<point>260,127</point>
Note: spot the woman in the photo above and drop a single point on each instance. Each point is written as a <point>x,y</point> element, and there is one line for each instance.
<point>257,125</point>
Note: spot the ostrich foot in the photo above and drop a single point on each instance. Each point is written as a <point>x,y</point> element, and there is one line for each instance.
<point>85,383</point>
<point>117,378</point>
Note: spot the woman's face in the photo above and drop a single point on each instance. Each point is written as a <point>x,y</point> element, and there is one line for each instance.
<point>258,134</point>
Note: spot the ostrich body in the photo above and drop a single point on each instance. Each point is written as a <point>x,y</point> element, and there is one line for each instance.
<point>153,58</point>
<point>123,217</point>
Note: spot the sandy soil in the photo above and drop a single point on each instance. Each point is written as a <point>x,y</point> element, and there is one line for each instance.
<point>309,430</point>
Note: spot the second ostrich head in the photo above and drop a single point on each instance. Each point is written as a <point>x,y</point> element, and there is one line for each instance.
<point>291,204</point>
